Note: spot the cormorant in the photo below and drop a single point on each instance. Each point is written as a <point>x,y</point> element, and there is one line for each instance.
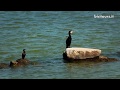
<point>23,54</point>
<point>69,39</point>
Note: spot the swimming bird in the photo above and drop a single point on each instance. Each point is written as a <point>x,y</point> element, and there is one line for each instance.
<point>69,39</point>
<point>23,54</point>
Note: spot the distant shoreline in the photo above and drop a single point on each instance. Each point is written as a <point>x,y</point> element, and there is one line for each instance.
<point>103,16</point>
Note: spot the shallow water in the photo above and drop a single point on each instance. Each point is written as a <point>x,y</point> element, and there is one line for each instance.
<point>43,35</point>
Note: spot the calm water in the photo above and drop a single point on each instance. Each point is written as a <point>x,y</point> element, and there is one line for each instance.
<point>43,35</point>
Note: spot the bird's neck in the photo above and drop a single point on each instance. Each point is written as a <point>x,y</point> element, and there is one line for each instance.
<point>69,35</point>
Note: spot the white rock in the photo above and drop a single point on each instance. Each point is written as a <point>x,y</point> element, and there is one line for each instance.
<point>82,53</point>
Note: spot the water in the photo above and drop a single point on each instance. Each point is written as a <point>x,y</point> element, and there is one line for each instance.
<point>43,35</point>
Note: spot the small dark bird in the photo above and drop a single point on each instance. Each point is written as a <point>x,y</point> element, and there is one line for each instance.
<point>69,39</point>
<point>23,54</point>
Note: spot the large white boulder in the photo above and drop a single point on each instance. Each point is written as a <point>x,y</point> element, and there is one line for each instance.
<point>82,53</point>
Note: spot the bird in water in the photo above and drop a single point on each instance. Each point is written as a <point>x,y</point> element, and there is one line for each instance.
<point>23,54</point>
<point>69,39</point>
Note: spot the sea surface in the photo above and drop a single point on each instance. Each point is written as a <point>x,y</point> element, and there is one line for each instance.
<point>43,35</point>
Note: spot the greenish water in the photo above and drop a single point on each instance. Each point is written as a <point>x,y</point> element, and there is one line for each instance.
<point>43,35</point>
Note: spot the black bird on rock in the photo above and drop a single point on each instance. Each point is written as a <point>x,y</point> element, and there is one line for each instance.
<point>69,39</point>
<point>23,54</point>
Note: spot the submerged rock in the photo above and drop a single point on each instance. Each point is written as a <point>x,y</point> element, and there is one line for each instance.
<point>95,59</point>
<point>3,65</point>
<point>19,62</point>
